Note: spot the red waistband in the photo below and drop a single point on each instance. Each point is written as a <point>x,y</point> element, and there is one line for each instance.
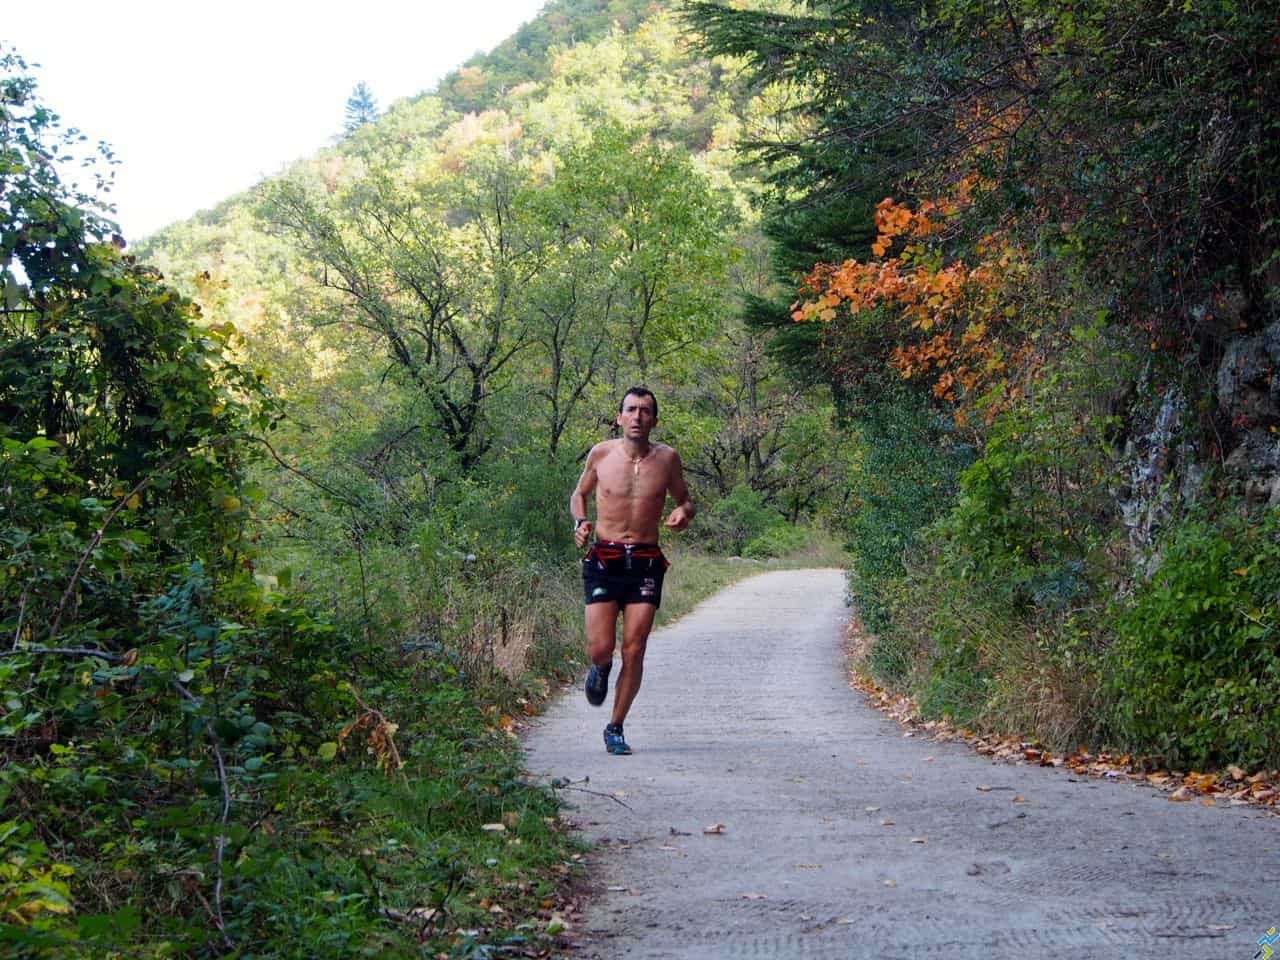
<point>617,549</point>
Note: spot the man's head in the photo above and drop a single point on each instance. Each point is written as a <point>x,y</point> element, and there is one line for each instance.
<point>639,393</point>
<point>637,413</point>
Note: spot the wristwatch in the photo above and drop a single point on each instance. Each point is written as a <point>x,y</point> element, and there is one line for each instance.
<point>580,521</point>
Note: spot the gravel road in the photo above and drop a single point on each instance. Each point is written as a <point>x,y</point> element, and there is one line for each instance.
<point>843,839</point>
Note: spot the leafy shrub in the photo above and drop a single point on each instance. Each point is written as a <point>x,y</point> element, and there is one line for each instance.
<point>904,477</point>
<point>744,524</point>
<point>1194,674</point>
<point>778,539</point>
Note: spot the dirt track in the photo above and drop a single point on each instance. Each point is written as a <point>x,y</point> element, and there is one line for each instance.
<point>843,839</point>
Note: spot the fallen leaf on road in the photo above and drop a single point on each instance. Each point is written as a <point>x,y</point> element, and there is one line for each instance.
<point>715,828</point>
<point>886,822</point>
<point>984,788</point>
<point>891,883</point>
<point>615,889</point>
<point>1208,803</point>
<point>1019,798</point>
<point>871,809</point>
<point>844,921</point>
<point>919,839</point>
<point>1181,795</point>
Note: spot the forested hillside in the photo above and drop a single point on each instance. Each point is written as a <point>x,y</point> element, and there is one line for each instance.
<point>987,290</point>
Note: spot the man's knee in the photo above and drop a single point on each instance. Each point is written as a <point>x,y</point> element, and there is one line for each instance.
<point>634,642</point>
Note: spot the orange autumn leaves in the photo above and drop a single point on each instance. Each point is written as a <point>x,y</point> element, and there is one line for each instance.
<point>951,314</point>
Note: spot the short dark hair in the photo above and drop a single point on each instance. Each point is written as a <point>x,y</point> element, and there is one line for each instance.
<point>639,392</point>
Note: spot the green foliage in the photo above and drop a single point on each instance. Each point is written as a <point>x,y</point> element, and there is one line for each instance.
<point>526,56</point>
<point>985,603</point>
<point>1089,143</point>
<point>743,523</point>
<point>893,495</point>
<point>193,764</point>
<point>1194,673</point>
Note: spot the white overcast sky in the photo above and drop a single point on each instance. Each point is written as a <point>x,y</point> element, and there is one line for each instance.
<point>202,100</point>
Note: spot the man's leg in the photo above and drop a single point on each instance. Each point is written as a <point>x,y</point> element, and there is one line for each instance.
<point>602,619</point>
<point>637,621</point>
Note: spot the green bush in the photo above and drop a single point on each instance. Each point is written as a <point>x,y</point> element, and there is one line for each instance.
<point>903,478</point>
<point>1194,675</point>
<point>777,540</point>
<point>736,520</point>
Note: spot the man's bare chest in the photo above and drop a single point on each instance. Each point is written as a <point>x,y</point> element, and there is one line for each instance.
<point>623,479</point>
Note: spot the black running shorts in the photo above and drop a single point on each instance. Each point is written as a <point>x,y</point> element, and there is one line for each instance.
<point>623,573</point>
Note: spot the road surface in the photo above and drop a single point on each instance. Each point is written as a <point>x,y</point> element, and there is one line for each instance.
<point>843,839</point>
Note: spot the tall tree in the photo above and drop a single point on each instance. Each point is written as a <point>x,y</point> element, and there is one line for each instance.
<point>362,108</point>
<point>434,273</point>
<point>635,251</point>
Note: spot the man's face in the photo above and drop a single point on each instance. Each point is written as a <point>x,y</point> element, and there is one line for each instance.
<point>636,417</point>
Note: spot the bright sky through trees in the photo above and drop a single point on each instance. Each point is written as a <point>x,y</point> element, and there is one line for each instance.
<point>200,100</point>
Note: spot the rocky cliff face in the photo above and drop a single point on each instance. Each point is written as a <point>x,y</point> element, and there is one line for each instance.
<point>1162,471</point>
<point>1249,392</point>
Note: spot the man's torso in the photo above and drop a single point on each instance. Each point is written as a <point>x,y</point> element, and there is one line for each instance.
<point>630,494</point>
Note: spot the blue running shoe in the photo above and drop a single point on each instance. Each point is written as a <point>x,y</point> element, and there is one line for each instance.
<point>597,685</point>
<point>613,742</point>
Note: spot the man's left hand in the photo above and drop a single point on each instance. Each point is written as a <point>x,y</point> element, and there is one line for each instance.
<point>677,519</point>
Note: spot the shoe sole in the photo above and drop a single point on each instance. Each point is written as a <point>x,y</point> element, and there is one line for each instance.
<point>595,695</point>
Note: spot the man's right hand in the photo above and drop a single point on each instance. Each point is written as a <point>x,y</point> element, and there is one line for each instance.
<point>582,533</point>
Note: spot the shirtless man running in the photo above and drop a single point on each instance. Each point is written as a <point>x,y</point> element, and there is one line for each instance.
<point>623,570</point>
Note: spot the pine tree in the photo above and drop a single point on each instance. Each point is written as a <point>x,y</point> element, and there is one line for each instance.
<point>362,108</point>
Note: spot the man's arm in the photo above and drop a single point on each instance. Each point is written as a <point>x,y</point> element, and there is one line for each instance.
<point>582,526</point>
<point>679,518</point>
